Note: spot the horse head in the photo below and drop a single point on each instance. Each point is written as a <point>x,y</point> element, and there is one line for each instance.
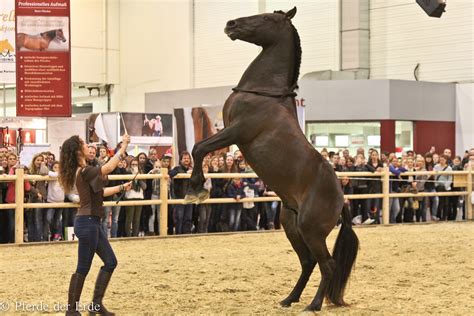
<point>262,29</point>
<point>60,35</point>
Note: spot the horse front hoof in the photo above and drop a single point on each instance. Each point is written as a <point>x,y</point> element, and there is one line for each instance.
<point>196,197</point>
<point>288,301</point>
<point>313,308</point>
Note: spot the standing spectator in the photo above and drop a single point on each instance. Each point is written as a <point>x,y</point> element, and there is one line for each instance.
<point>350,164</point>
<point>55,195</point>
<point>361,187</point>
<point>217,191</point>
<point>221,161</point>
<point>155,195</point>
<point>9,234</point>
<point>103,156</point>
<point>435,159</point>
<point>443,184</point>
<point>375,185</point>
<point>396,170</point>
<point>384,158</point>
<point>50,160</point>
<point>345,153</point>
<point>408,186</point>
<point>234,190</point>
<point>113,212</point>
<point>347,190</point>
<point>166,163</point>
<point>447,153</point>
<point>420,203</point>
<point>133,212</point>
<point>205,209</point>
<point>341,167</point>
<point>92,156</point>
<point>183,212</point>
<point>146,166</point>
<point>270,208</point>
<point>248,219</point>
<point>38,195</point>
<point>432,202</point>
<point>454,201</point>
<point>469,153</point>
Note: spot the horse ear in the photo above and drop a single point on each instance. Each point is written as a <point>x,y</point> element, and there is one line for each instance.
<point>290,14</point>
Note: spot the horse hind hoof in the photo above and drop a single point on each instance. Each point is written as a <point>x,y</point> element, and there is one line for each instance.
<point>288,301</point>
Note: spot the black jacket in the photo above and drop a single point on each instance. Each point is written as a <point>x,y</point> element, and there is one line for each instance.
<point>180,186</point>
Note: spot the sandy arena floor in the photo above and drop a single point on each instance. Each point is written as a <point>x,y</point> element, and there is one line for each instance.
<point>409,269</point>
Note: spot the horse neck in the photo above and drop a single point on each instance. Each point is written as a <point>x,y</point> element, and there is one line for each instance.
<point>48,36</point>
<point>273,69</point>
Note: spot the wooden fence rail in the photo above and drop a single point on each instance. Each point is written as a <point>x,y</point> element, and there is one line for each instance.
<point>164,201</point>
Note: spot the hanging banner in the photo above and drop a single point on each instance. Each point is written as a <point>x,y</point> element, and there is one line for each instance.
<point>43,68</point>
<point>7,41</point>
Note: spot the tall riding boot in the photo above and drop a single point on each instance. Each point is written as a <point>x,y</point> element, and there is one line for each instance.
<point>75,290</point>
<point>100,286</point>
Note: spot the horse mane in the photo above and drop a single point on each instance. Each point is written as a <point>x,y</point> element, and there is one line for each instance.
<point>50,34</point>
<point>297,47</point>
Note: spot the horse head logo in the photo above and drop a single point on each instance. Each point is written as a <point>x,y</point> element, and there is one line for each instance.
<point>60,35</point>
<point>6,48</point>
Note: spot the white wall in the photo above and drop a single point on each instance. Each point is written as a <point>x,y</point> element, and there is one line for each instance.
<point>155,50</point>
<point>402,35</point>
<point>217,59</point>
<point>317,23</point>
<point>464,116</point>
<point>88,57</point>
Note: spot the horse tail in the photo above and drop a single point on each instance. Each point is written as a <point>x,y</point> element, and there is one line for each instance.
<point>345,254</point>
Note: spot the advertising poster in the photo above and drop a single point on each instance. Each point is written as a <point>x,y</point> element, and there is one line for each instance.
<point>43,60</point>
<point>194,124</point>
<point>148,128</point>
<point>7,42</point>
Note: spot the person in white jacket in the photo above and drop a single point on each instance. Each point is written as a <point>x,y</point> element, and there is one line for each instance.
<point>55,195</point>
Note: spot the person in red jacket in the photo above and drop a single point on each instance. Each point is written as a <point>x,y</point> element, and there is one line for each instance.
<point>12,160</point>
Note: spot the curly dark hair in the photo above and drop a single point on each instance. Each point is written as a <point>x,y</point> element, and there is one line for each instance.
<point>68,162</point>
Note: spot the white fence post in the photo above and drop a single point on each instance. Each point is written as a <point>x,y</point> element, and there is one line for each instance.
<point>19,200</point>
<point>386,200</point>
<point>164,202</point>
<point>469,196</point>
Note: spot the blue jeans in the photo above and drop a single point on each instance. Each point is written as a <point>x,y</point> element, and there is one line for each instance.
<point>155,215</point>
<point>394,210</point>
<point>30,225</point>
<point>105,221</point>
<point>433,202</point>
<point>92,240</point>
<point>183,218</point>
<point>40,218</point>
<point>53,221</point>
<point>234,217</point>
<point>271,209</point>
<point>10,225</point>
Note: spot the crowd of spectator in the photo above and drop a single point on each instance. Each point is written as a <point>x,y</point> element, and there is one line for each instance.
<point>136,220</point>
<point>368,211</point>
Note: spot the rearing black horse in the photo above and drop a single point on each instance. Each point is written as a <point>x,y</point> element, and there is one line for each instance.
<point>260,117</point>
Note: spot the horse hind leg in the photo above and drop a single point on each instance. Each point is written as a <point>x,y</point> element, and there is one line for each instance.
<point>289,221</point>
<point>315,238</point>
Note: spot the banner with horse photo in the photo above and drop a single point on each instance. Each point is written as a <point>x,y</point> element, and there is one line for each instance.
<point>7,41</point>
<point>194,124</point>
<point>148,128</point>
<point>43,68</point>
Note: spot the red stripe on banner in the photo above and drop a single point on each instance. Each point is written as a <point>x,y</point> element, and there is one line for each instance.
<point>43,58</point>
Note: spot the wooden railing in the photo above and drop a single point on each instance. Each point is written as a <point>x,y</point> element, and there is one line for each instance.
<point>463,179</point>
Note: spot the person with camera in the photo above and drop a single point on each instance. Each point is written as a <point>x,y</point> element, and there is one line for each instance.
<point>90,183</point>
